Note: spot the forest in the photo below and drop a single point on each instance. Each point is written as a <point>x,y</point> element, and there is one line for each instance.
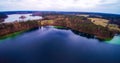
<point>78,23</point>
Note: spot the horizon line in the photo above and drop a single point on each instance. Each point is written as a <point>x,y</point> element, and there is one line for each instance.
<point>56,11</point>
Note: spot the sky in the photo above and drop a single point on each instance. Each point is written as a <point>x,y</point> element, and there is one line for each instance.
<point>102,6</point>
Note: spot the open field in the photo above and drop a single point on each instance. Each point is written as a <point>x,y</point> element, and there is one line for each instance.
<point>104,23</point>
<point>113,27</point>
<point>84,15</point>
<point>99,21</point>
<point>46,22</point>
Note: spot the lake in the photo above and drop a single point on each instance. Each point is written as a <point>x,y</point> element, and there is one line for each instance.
<point>15,17</point>
<point>51,45</point>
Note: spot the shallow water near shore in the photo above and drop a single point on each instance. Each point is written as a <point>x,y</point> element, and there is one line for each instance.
<point>51,45</point>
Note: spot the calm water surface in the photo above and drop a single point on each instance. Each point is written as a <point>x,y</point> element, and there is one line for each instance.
<point>15,17</point>
<point>51,45</point>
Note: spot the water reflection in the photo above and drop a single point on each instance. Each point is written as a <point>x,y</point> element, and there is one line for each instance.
<point>89,36</point>
<point>86,35</point>
<point>114,40</point>
<point>51,45</point>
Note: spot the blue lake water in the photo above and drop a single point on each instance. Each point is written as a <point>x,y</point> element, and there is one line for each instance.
<point>51,45</point>
<point>15,17</point>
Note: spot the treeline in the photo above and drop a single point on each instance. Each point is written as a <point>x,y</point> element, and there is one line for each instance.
<point>2,17</point>
<point>113,19</point>
<point>82,24</point>
<point>78,23</point>
<point>7,28</point>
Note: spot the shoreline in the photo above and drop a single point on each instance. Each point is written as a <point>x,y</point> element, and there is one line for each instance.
<point>82,24</point>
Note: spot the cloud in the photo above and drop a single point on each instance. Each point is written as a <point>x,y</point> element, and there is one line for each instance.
<point>109,1</point>
<point>68,5</point>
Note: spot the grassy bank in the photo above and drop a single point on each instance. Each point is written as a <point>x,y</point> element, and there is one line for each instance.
<point>59,27</point>
<point>11,35</point>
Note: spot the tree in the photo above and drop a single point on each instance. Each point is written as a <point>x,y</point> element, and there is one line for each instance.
<point>2,17</point>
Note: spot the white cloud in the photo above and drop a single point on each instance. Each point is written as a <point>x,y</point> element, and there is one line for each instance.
<point>109,1</point>
<point>54,4</point>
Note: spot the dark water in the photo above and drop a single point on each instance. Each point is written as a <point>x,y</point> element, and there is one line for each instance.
<point>50,45</point>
